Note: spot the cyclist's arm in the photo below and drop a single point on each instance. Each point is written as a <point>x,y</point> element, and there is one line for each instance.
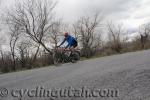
<point>68,45</point>
<point>62,42</point>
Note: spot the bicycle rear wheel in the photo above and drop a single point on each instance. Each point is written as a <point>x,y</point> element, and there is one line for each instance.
<point>75,57</point>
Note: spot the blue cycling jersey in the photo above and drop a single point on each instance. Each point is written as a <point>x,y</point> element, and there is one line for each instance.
<point>71,41</point>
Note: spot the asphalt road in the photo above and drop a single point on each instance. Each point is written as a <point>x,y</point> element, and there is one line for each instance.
<point>118,77</point>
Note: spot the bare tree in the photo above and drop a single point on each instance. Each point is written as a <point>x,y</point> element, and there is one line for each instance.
<point>2,57</point>
<point>2,62</point>
<point>86,28</point>
<point>14,36</point>
<point>1,53</point>
<point>144,32</point>
<point>75,30</point>
<point>55,32</point>
<point>114,34</point>
<point>34,18</point>
<point>23,53</point>
<point>98,43</point>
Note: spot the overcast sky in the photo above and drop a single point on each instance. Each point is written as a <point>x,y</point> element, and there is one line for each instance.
<point>130,12</point>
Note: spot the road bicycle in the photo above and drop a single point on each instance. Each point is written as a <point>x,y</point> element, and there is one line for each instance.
<point>62,55</point>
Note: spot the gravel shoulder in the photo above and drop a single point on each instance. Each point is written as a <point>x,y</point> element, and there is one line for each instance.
<point>128,73</point>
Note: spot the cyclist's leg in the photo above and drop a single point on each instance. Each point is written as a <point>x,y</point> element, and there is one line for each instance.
<point>72,48</point>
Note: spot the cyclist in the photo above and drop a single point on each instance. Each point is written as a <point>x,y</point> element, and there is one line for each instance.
<point>72,42</point>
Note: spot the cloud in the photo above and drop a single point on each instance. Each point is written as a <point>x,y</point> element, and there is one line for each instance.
<point>108,7</point>
<point>130,12</point>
